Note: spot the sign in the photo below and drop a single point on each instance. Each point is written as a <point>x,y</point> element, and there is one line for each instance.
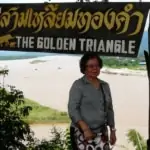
<point>111,29</point>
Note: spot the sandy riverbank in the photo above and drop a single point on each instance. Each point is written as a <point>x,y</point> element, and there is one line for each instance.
<point>48,83</point>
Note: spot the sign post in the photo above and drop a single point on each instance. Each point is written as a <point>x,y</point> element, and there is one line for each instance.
<point>147,59</point>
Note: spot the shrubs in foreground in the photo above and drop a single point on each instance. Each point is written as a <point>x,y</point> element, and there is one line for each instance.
<point>60,140</point>
<point>15,133</point>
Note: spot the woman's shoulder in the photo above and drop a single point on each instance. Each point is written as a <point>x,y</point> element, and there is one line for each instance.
<point>77,84</point>
<point>104,82</point>
<point>78,81</point>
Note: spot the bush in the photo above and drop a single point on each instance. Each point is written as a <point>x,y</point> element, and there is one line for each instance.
<point>60,141</point>
<point>137,140</point>
<point>14,132</point>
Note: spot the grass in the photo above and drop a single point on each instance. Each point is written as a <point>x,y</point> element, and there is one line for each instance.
<point>42,114</point>
<point>118,63</point>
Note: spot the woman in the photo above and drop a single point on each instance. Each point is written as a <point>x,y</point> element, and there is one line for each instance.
<point>90,108</point>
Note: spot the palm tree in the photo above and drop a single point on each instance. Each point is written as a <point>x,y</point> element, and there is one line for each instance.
<point>137,140</point>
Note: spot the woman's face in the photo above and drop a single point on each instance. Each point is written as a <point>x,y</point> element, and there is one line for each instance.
<point>92,68</point>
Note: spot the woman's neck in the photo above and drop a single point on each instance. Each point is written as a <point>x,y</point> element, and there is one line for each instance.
<point>91,79</point>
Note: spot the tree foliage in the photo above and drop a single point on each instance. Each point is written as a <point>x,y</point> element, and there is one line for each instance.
<point>14,132</point>
<point>60,140</point>
<point>136,139</point>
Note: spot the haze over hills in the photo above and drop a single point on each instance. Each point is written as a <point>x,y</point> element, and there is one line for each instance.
<point>144,44</point>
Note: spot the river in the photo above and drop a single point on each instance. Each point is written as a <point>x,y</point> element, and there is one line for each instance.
<point>43,131</point>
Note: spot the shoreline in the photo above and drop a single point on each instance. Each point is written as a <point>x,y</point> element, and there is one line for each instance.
<point>48,123</point>
<point>125,72</point>
<point>44,59</point>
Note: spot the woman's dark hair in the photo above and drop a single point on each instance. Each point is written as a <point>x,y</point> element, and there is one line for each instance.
<point>86,57</point>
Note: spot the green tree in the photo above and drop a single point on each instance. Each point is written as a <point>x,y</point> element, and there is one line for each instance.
<point>136,139</point>
<point>14,132</point>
